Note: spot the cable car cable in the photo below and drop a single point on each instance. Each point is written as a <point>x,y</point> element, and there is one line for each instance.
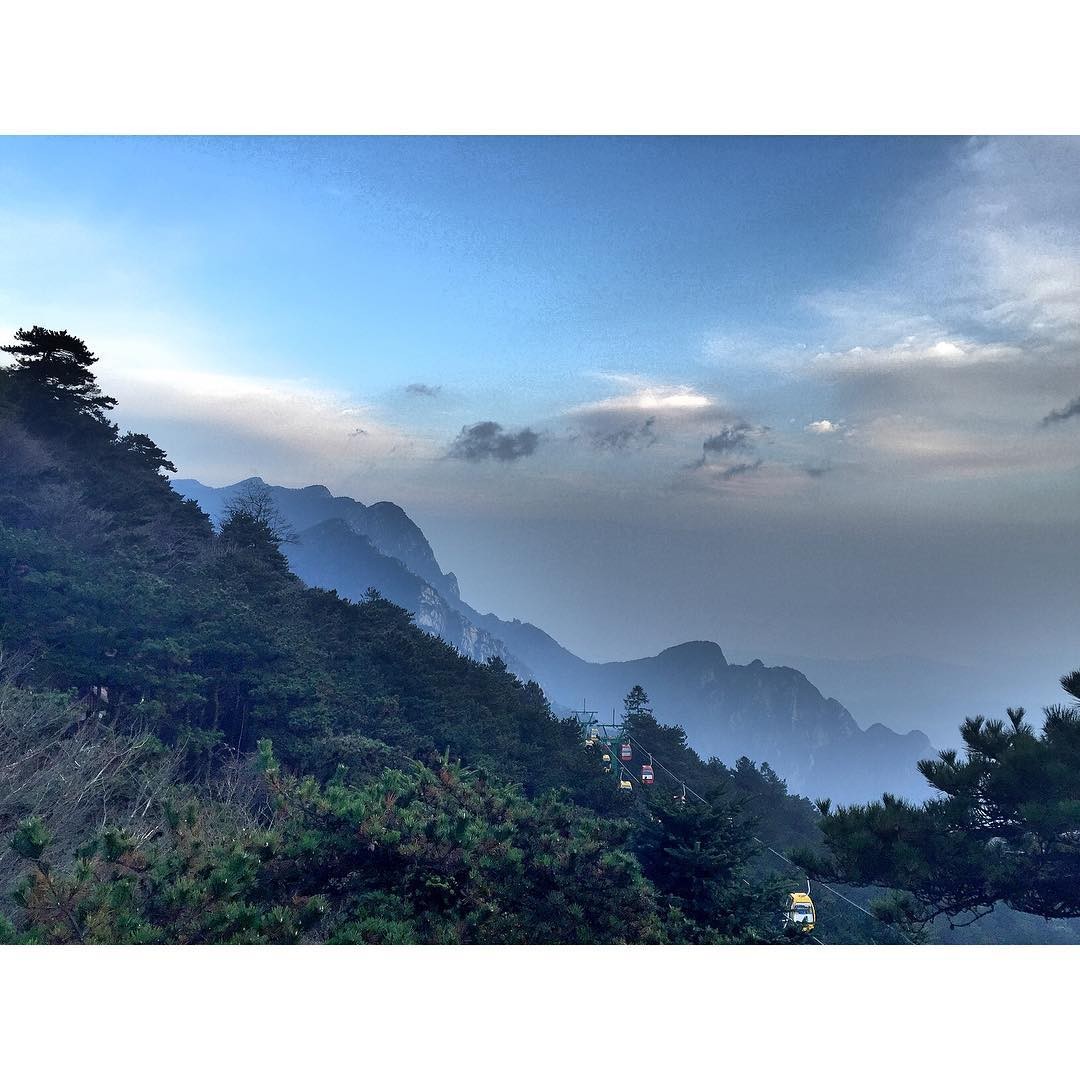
<point>823,885</point>
<point>622,768</point>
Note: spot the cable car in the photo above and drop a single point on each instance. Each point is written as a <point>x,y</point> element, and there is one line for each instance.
<point>801,915</point>
<point>626,752</point>
<point>646,774</point>
<point>606,759</point>
<point>625,785</point>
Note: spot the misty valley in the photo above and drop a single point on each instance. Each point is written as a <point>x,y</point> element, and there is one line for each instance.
<point>265,714</point>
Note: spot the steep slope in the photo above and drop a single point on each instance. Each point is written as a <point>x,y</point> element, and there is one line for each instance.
<point>333,555</point>
<point>385,524</point>
<point>772,714</point>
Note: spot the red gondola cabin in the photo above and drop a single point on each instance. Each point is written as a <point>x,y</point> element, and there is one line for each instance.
<point>646,774</point>
<point>626,752</point>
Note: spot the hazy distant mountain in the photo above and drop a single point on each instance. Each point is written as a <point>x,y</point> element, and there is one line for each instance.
<point>900,691</point>
<point>772,714</point>
<point>385,524</point>
<point>344,545</point>
<point>333,555</point>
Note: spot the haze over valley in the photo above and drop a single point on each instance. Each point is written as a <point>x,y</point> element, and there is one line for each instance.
<point>539,540</point>
<point>770,714</point>
<point>808,399</point>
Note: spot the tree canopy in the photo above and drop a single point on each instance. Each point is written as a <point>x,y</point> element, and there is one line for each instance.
<point>195,746</point>
<point>272,762</point>
<point>52,377</point>
<point>1005,829</point>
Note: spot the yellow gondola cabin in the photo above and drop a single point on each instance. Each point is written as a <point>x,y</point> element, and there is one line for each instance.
<point>801,915</point>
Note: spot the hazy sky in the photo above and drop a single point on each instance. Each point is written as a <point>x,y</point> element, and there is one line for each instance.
<point>805,396</point>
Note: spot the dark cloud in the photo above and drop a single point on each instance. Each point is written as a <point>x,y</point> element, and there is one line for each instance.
<point>729,439</point>
<point>733,438</point>
<point>817,470</point>
<point>420,389</point>
<point>1070,410</point>
<point>628,437</point>
<point>631,423</point>
<point>488,441</point>
<point>616,430</point>
<point>739,469</point>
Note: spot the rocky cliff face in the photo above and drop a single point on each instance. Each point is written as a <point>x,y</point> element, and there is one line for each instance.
<point>772,714</point>
<point>385,524</point>
<point>333,555</point>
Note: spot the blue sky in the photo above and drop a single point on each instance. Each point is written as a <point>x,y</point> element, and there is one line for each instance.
<point>774,392</point>
<point>499,256</point>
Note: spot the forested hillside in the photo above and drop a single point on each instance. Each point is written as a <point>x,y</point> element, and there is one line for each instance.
<point>198,748</point>
<point>1001,840</point>
<point>728,710</point>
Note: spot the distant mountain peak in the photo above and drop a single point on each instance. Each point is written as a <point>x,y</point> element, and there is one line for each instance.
<point>391,509</point>
<point>773,714</point>
<point>697,652</point>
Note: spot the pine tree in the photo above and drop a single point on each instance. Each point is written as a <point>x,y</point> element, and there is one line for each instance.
<point>143,448</point>
<point>696,855</point>
<point>1006,829</point>
<point>51,378</point>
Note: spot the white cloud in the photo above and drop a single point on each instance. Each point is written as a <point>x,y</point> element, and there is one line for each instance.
<point>988,272</point>
<point>298,427</point>
<point>646,414</point>
<point>874,316</point>
<point>946,365</point>
<point>948,350</point>
<point>823,427</point>
<point>645,396</point>
<point>914,353</point>
<point>901,445</point>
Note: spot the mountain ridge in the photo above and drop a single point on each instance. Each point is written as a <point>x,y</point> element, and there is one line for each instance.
<point>772,714</point>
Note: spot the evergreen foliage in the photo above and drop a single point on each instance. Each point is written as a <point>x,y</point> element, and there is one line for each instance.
<point>51,379</point>
<point>202,749</point>
<point>1006,828</point>
<point>419,855</point>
